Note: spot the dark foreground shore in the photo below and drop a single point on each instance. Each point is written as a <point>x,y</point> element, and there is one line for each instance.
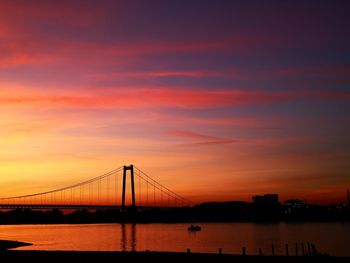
<point>14,256</point>
<point>8,244</point>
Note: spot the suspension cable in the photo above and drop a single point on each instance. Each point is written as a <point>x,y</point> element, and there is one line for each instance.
<point>65,188</point>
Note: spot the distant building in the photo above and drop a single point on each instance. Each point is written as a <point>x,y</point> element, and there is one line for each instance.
<point>293,206</point>
<point>266,199</point>
<point>294,203</point>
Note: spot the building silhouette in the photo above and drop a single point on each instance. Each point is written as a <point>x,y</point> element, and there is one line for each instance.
<point>266,199</point>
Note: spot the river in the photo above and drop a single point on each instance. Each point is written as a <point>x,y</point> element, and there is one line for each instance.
<point>332,238</point>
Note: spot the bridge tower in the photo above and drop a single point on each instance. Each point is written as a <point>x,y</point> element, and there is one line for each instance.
<point>131,169</point>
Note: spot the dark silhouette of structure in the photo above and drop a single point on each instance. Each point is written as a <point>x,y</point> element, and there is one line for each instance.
<point>232,211</point>
<point>96,200</point>
<point>294,206</point>
<point>294,203</point>
<point>266,199</point>
<point>131,169</point>
<point>101,192</point>
<point>348,199</point>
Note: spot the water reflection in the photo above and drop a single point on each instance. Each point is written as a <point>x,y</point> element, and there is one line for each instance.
<point>123,240</point>
<point>126,231</point>
<point>333,238</point>
<point>133,237</point>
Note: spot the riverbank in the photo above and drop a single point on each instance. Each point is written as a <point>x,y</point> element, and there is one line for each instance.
<point>9,244</point>
<point>15,256</point>
<point>207,212</point>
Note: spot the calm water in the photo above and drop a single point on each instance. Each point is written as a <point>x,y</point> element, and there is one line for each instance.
<point>333,238</point>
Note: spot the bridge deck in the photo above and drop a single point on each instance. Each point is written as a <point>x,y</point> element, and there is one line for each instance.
<point>73,207</point>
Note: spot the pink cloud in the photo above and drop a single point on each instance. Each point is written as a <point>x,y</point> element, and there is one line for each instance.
<point>337,71</point>
<point>189,134</point>
<point>283,140</point>
<point>206,143</point>
<point>156,74</point>
<point>150,97</point>
<point>200,139</point>
<point>66,51</point>
<point>330,95</point>
<point>17,14</point>
<point>53,51</point>
<point>164,97</point>
<point>311,76</point>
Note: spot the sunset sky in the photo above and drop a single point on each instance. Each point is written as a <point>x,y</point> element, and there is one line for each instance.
<point>217,100</point>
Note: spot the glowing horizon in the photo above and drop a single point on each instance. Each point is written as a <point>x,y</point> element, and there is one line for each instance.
<point>217,101</point>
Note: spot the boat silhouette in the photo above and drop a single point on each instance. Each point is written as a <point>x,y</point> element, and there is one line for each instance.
<point>194,228</point>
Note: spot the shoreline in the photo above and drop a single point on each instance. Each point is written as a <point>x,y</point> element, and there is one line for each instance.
<point>8,253</point>
<point>232,211</point>
<point>151,256</point>
<point>10,244</point>
<point>175,222</point>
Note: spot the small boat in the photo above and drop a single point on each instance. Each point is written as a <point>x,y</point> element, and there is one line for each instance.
<point>193,228</point>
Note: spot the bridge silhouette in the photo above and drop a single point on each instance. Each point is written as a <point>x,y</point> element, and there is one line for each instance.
<point>102,192</point>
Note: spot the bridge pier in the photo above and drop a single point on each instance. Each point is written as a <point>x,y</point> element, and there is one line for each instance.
<point>131,169</point>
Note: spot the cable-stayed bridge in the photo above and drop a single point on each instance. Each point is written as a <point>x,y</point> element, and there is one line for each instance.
<point>107,191</point>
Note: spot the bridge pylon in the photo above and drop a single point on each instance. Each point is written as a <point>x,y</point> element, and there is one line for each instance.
<point>131,169</point>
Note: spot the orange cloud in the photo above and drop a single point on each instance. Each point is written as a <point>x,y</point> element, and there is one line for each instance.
<point>189,134</point>
<point>204,139</point>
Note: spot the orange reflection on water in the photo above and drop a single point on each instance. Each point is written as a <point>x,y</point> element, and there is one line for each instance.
<point>333,238</point>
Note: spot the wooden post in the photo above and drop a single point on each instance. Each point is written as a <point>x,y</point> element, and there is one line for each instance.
<point>220,250</point>
<point>296,249</point>
<point>260,252</point>
<point>287,252</point>
<point>302,249</point>
<point>314,251</point>
<point>243,251</point>
<point>188,250</point>
<point>273,250</point>
<point>308,249</point>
